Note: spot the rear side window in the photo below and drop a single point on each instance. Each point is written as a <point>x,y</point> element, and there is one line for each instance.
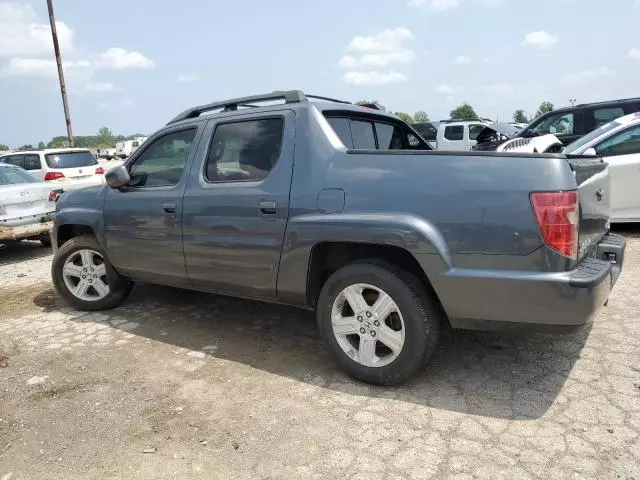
<point>362,134</point>
<point>371,135</point>
<point>389,136</point>
<point>32,162</point>
<point>70,159</point>
<point>455,132</point>
<point>606,115</point>
<point>244,151</point>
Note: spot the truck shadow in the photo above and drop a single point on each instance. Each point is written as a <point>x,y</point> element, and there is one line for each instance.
<point>18,252</point>
<point>513,376</point>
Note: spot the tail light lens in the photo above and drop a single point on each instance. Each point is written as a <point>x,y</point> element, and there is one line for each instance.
<point>53,176</point>
<point>558,214</point>
<point>99,171</point>
<point>54,195</point>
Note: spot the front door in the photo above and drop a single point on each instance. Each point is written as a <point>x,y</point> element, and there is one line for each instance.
<point>237,204</point>
<point>142,222</point>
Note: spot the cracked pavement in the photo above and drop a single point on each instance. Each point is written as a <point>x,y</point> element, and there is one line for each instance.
<point>213,387</point>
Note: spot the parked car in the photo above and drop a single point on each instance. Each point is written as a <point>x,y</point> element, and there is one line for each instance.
<point>66,168</point>
<point>27,206</point>
<point>107,153</point>
<point>618,143</point>
<point>458,136</point>
<point>344,210</point>
<point>571,123</point>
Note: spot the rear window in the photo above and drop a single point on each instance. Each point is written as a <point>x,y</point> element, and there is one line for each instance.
<point>13,176</point>
<point>361,134</point>
<point>70,159</point>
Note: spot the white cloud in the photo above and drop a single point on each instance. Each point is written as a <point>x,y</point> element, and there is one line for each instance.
<point>373,78</point>
<point>434,4</point>
<point>377,52</point>
<point>22,34</point>
<point>100,87</point>
<point>576,78</point>
<point>540,39</point>
<point>445,89</point>
<point>499,88</point>
<point>39,67</point>
<point>121,59</point>
<point>188,78</point>
<point>462,59</point>
<point>388,40</point>
<point>634,53</point>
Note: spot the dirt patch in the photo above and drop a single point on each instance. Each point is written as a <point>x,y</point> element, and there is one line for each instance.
<point>4,361</point>
<point>19,301</point>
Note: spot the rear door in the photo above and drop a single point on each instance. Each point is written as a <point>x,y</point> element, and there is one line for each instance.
<point>236,204</point>
<point>142,222</point>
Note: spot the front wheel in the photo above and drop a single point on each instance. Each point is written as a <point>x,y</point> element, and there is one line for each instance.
<point>83,276</point>
<point>378,322</point>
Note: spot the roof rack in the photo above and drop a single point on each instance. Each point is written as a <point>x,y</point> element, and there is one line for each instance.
<point>289,96</point>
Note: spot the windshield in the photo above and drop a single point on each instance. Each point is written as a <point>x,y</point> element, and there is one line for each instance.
<point>14,176</point>
<point>582,141</point>
<point>70,159</point>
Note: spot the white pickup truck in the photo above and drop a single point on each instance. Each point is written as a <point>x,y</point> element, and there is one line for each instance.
<point>458,136</point>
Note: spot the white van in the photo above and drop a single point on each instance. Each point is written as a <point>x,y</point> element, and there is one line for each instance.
<point>458,136</point>
<point>126,148</point>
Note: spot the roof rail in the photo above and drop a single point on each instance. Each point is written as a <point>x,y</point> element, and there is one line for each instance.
<point>290,96</point>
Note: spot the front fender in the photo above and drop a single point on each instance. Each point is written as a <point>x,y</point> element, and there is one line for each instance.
<point>82,208</point>
<point>409,232</point>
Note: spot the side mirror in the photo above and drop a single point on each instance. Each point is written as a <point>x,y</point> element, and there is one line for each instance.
<point>117,177</point>
<point>590,151</point>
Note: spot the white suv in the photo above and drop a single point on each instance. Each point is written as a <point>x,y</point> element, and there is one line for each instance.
<point>68,168</point>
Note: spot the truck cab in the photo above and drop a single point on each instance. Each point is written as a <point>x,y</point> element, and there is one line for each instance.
<point>458,136</point>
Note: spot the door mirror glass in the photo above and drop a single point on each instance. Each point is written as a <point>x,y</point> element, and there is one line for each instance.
<point>590,152</point>
<point>118,177</point>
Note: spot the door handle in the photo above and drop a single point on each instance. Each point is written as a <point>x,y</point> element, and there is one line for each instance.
<point>169,207</point>
<point>267,208</point>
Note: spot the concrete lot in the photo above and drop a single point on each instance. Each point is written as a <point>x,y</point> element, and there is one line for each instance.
<point>213,387</point>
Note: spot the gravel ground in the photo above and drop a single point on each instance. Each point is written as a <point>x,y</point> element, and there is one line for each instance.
<point>181,384</point>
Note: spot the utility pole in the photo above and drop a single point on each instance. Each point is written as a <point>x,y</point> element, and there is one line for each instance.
<point>63,89</point>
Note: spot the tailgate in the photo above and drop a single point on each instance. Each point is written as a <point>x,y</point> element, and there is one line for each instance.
<point>592,178</point>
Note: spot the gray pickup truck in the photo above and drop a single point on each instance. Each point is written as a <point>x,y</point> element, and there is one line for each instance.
<point>345,210</point>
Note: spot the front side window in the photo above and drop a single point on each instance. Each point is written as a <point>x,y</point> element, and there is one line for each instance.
<point>626,142</point>
<point>454,132</point>
<point>474,131</point>
<point>12,176</point>
<point>161,164</point>
<point>244,151</point>
<point>559,125</point>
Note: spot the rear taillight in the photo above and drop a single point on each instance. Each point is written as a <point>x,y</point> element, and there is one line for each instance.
<point>53,195</point>
<point>53,176</point>
<point>99,171</point>
<point>558,214</point>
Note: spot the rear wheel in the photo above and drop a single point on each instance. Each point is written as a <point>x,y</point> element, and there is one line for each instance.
<point>378,322</point>
<point>83,276</point>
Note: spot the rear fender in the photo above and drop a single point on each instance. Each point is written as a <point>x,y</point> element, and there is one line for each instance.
<point>409,232</point>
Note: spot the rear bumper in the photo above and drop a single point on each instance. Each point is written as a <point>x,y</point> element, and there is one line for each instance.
<point>26,227</point>
<point>560,301</point>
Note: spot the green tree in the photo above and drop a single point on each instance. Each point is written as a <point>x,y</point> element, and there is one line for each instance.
<point>520,117</point>
<point>26,146</point>
<point>3,147</point>
<point>544,108</point>
<point>420,116</point>
<point>405,116</point>
<point>40,144</point>
<point>374,102</point>
<point>464,112</point>
<point>106,138</point>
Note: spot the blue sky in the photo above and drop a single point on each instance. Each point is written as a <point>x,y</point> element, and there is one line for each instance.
<point>132,65</point>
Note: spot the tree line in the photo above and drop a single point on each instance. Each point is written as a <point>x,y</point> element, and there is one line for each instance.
<point>104,139</point>
<point>462,112</point>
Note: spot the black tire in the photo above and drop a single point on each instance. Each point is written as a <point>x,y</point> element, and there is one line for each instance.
<point>420,314</point>
<point>119,286</point>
